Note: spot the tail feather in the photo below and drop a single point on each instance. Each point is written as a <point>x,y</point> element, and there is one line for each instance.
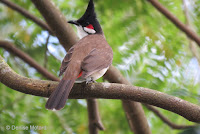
<point>63,100</point>
<point>59,97</point>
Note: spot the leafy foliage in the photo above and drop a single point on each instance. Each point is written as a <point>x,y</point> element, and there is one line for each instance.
<point>148,49</point>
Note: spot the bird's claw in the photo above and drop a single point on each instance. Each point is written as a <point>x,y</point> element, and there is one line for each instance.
<point>90,81</point>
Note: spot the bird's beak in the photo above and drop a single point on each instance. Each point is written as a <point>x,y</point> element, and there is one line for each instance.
<point>73,22</point>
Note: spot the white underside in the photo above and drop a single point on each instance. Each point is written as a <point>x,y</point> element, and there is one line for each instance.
<point>94,76</point>
<point>97,75</point>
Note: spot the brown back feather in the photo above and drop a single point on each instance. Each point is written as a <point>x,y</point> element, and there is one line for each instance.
<point>90,54</point>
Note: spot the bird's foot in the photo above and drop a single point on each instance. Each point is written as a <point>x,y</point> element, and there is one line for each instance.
<point>90,80</point>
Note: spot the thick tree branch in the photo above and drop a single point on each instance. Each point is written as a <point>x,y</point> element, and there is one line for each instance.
<point>25,57</point>
<point>166,120</point>
<point>27,15</point>
<point>191,34</point>
<point>68,38</point>
<point>100,90</point>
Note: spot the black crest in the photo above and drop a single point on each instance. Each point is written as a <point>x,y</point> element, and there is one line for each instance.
<point>89,14</point>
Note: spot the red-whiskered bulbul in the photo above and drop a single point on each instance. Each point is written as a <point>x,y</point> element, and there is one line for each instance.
<point>88,59</point>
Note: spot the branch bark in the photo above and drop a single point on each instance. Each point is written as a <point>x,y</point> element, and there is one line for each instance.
<point>191,34</point>
<point>27,15</point>
<point>44,88</point>
<point>68,38</point>
<point>166,120</point>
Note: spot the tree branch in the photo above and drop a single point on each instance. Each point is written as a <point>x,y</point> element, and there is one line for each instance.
<point>94,118</point>
<point>25,57</point>
<point>166,120</point>
<point>27,15</point>
<point>191,34</point>
<point>100,90</point>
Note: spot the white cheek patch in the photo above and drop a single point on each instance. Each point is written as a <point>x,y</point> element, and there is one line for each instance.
<point>91,31</point>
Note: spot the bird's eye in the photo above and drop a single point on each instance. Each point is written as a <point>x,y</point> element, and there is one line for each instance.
<point>90,26</point>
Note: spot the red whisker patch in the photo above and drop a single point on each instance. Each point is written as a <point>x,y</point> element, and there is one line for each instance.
<point>90,26</point>
<point>80,74</point>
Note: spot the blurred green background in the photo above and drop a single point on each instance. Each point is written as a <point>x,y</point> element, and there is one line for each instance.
<point>148,49</point>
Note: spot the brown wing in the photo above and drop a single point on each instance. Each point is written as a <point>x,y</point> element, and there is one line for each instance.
<point>96,60</point>
<point>66,61</point>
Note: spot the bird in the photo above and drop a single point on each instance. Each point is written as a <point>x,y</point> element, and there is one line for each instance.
<point>87,60</point>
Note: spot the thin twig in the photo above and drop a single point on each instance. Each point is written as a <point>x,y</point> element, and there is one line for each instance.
<point>46,50</point>
<point>27,14</point>
<point>166,120</point>
<point>191,34</point>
